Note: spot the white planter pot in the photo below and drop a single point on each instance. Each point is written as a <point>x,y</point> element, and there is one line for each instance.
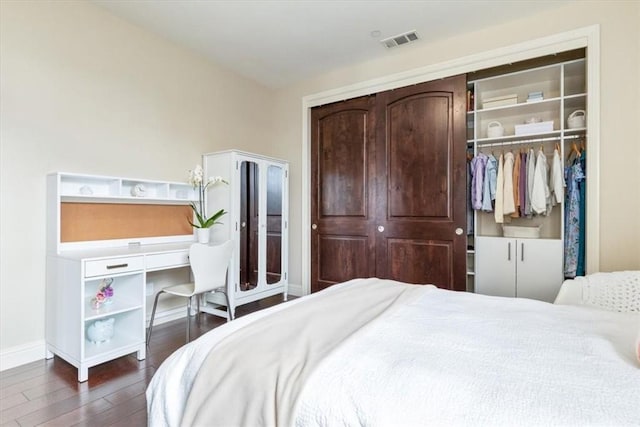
<point>203,234</point>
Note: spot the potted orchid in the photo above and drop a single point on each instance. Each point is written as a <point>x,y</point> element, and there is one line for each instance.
<point>203,222</point>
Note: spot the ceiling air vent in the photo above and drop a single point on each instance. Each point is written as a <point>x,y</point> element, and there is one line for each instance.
<point>400,39</point>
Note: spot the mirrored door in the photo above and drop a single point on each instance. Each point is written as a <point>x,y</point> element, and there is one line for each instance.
<point>274,224</point>
<point>249,224</point>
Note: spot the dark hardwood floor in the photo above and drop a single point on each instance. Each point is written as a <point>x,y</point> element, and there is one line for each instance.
<point>47,393</point>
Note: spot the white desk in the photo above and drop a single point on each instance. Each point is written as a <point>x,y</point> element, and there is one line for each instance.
<point>73,278</point>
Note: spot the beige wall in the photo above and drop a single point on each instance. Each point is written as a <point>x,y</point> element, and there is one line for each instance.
<point>83,91</point>
<point>620,110</point>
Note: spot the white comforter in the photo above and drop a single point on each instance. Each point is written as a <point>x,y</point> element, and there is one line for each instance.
<point>454,359</point>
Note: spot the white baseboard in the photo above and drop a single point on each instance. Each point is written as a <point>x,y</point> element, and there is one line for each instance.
<point>22,354</point>
<point>296,289</point>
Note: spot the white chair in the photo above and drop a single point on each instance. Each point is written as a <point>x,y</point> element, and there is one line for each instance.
<point>209,266</point>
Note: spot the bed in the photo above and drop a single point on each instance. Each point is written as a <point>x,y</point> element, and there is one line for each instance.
<point>383,353</point>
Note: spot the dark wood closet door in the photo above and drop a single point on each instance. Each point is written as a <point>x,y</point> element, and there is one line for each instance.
<point>342,199</point>
<point>420,146</point>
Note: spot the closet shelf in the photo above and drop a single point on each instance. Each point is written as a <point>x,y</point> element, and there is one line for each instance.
<point>530,141</point>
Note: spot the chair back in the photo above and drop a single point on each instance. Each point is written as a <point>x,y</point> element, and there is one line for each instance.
<point>209,265</point>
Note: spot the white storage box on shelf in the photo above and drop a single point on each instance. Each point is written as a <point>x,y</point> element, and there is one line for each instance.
<point>529,128</point>
<point>520,231</point>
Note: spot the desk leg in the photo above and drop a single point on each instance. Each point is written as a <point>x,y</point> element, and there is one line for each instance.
<point>142,353</point>
<point>83,373</point>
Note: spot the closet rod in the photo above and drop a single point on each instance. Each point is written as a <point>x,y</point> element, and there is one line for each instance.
<point>529,141</point>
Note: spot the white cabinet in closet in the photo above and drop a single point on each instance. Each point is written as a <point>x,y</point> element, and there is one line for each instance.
<point>516,112</point>
<point>525,268</point>
<point>256,200</point>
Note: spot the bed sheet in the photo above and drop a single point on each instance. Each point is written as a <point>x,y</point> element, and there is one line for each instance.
<point>452,358</point>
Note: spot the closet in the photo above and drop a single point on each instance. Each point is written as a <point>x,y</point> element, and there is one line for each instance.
<point>256,200</point>
<point>537,117</point>
<point>388,186</point>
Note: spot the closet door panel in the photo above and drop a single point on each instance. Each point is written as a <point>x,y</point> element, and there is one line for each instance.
<point>342,202</point>
<point>407,260</point>
<point>419,161</point>
<point>341,258</point>
<point>421,187</point>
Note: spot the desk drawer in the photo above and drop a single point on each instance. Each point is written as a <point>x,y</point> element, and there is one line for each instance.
<point>167,260</point>
<point>113,266</point>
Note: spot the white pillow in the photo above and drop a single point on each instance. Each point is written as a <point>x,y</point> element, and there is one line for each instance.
<point>638,346</point>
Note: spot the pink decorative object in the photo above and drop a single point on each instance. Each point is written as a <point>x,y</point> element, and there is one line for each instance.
<point>104,295</point>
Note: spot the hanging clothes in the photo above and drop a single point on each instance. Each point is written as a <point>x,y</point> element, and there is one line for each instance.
<point>580,270</point>
<point>516,186</point>
<point>489,183</point>
<point>498,214</point>
<point>573,176</point>
<point>540,194</point>
<point>523,184</point>
<point>508,203</point>
<point>469,208</point>
<point>478,164</point>
<point>531,165</point>
<point>556,179</point>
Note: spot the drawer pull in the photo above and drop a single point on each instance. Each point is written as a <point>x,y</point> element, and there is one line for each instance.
<point>110,267</point>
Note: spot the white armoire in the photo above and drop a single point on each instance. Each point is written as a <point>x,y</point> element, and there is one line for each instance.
<point>256,201</point>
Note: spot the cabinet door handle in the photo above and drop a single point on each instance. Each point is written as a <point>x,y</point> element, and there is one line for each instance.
<point>509,251</point>
<point>521,251</point>
<point>111,267</point>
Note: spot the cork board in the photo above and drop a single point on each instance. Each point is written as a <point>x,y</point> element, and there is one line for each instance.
<point>81,222</point>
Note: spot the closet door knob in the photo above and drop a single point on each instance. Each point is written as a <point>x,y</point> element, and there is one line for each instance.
<point>459,231</point>
<point>380,228</point>
<point>314,226</point>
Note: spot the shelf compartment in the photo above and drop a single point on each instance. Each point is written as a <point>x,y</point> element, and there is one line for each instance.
<point>575,81</point>
<point>145,189</point>
<point>128,331</point>
<point>117,306</point>
<point>510,117</point>
<point>543,79</point>
<point>182,192</point>
<point>85,187</point>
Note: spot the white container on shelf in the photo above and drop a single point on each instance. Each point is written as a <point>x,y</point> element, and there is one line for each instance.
<point>529,128</point>
<point>520,231</point>
<point>495,130</point>
<point>576,119</point>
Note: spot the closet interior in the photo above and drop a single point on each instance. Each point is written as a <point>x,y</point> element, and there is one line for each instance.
<point>526,177</point>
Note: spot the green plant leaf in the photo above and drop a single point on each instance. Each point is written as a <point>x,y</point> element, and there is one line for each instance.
<point>206,222</point>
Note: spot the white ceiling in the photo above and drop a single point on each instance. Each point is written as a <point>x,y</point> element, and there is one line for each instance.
<point>280,42</point>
